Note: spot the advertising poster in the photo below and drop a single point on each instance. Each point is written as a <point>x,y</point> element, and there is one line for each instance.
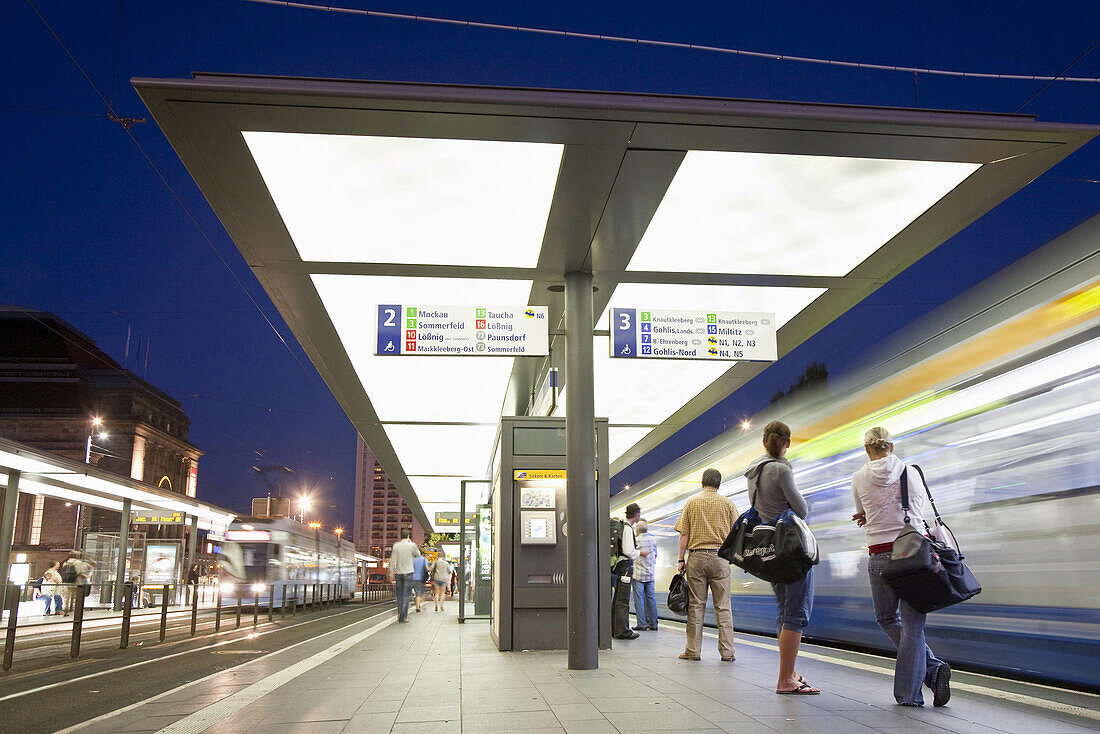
<point>485,543</point>
<point>160,563</point>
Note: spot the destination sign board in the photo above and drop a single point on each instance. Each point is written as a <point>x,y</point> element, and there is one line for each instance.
<point>452,518</point>
<point>462,331</point>
<point>708,335</point>
<point>174,518</point>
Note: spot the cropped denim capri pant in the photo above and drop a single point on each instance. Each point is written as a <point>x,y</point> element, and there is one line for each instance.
<point>794,602</point>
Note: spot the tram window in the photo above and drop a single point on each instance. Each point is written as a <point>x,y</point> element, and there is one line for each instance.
<point>254,556</point>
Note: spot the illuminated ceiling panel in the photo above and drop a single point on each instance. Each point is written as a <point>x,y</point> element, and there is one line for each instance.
<point>68,480</point>
<point>650,390</point>
<point>358,198</point>
<point>446,490</point>
<point>462,451</point>
<point>619,440</point>
<point>787,214</point>
<point>412,388</point>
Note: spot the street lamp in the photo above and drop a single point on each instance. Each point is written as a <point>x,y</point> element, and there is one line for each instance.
<point>97,422</point>
<point>303,507</point>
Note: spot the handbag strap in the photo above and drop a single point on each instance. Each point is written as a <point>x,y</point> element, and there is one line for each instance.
<point>752,495</point>
<point>936,512</point>
<point>905,494</point>
<point>927,492</point>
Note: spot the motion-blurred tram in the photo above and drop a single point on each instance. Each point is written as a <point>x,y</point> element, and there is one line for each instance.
<point>996,396</point>
<point>262,556</point>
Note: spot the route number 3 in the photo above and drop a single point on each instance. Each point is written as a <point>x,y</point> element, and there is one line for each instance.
<point>624,321</point>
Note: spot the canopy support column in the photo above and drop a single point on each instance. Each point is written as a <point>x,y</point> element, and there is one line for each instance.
<point>123,550</point>
<point>7,525</point>
<point>580,484</point>
<point>192,544</point>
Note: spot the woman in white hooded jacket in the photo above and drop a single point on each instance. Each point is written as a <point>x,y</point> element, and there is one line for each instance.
<point>876,488</point>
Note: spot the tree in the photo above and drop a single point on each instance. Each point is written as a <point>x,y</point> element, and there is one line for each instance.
<point>435,539</point>
<point>815,374</point>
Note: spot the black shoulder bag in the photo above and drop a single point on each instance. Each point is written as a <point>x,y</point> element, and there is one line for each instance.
<point>927,573</point>
<point>780,553</point>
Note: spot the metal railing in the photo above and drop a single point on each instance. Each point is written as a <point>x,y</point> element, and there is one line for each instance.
<point>91,606</point>
<point>378,592</point>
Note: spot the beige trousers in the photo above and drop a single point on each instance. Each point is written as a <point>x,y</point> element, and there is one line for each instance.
<point>707,570</point>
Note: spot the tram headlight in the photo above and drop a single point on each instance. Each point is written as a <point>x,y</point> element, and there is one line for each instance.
<point>258,588</point>
<point>227,587</point>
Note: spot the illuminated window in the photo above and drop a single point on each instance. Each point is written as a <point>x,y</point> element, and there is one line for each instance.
<point>36,519</point>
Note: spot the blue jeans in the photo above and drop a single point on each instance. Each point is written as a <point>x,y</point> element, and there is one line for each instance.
<point>645,603</point>
<point>55,598</point>
<point>404,586</point>
<point>416,586</point>
<point>905,627</point>
<point>794,602</point>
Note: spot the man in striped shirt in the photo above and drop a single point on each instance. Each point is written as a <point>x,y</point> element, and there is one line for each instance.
<point>645,597</point>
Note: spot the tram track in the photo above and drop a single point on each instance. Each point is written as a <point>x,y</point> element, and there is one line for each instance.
<point>109,677</point>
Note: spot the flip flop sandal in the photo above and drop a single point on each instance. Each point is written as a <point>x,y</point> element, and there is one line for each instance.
<point>803,690</point>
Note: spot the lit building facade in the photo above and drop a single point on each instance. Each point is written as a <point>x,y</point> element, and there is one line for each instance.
<point>53,381</point>
<point>380,513</point>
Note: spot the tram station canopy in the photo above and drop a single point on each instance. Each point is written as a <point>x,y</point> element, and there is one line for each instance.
<point>342,195</point>
<point>50,475</point>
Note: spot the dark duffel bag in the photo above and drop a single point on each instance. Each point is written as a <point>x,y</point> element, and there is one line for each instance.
<point>926,573</point>
<point>780,553</point>
<point>678,595</point>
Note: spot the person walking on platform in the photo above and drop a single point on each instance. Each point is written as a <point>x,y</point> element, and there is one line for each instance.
<point>771,491</point>
<point>876,489</point>
<point>643,585</point>
<point>419,577</point>
<point>441,576</point>
<point>704,523</point>
<point>621,572</point>
<point>401,569</point>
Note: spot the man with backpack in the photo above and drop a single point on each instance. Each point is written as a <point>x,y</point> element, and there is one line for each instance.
<point>74,575</point>
<point>624,553</point>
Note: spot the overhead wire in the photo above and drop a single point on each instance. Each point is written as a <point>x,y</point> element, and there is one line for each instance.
<point>267,408</point>
<point>1061,73</point>
<point>79,345</point>
<point>114,116</point>
<point>670,44</point>
<point>41,111</point>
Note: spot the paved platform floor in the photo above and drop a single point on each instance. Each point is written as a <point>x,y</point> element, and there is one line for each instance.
<point>436,676</point>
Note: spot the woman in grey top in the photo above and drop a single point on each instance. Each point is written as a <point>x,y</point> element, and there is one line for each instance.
<point>772,490</point>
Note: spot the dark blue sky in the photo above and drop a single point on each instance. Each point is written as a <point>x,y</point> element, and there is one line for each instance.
<point>91,233</point>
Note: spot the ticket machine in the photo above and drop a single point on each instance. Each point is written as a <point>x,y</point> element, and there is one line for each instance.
<point>530,528</point>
